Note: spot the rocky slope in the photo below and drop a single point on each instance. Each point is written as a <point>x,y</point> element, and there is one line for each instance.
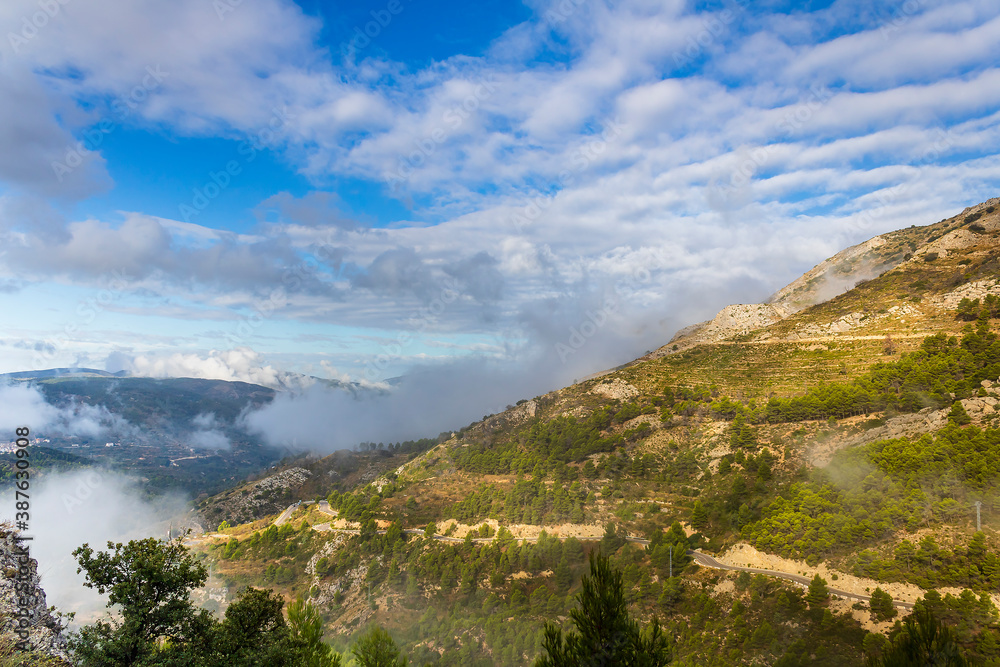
<point>844,271</point>
<point>45,632</point>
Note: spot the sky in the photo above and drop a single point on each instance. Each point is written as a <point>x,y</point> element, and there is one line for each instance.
<point>494,198</point>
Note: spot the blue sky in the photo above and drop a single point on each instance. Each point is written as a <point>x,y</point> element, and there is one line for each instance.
<point>240,189</point>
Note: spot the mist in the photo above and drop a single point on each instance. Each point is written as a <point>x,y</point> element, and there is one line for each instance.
<point>24,405</point>
<point>89,506</point>
<point>561,341</point>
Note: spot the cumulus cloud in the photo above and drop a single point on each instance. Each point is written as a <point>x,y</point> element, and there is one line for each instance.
<point>628,136</point>
<point>241,364</point>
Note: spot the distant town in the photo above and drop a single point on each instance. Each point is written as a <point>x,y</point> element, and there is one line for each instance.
<point>8,447</point>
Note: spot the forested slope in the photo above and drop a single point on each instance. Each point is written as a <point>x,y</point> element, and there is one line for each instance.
<point>465,546</point>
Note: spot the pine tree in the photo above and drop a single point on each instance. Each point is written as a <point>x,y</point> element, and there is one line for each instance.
<point>881,606</point>
<point>605,633</point>
<point>699,516</point>
<point>923,640</point>
<point>376,648</point>
<point>564,575</point>
<point>818,594</point>
<point>306,626</point>
<point>958,416</point>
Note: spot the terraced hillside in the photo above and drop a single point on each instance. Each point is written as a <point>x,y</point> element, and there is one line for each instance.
<point>848,438</point>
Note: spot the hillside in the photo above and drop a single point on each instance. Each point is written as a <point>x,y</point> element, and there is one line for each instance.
<point>173,434</point>
<point>846,428</point>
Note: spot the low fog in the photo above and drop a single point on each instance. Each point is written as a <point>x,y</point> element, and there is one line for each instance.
<point>88,506</point>
<point>24,405</point>
<point>560,341</point>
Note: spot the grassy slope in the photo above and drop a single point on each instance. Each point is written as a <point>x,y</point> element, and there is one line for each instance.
<point>784,360</point>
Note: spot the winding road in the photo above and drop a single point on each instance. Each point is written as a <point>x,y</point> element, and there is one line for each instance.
<point>707,561</point>
<point>700,558</point>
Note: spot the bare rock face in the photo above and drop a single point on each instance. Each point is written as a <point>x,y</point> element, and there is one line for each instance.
<point>615,388</point>
<point>44,631</point>
<point>834,276</point>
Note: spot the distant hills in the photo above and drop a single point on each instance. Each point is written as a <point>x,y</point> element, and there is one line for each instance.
<point>61,372</point>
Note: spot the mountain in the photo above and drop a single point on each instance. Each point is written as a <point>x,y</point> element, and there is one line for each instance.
<point>60,373</point>
<point>173,434</point>
<point>841,438</point>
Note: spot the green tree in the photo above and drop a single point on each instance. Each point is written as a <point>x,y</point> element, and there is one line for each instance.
<point>605,633</point>
<point>149,583</point>
<point>307,633</point>
<point>613,540</point>
<point>563,575</point>
<point>253,633</point>
<point>155,623</point>
<point>699,516</point>
<point>881,606</point>
<point>957,415</point>
<point>672,592</point>
<point>923,640</point>
<point>818,593</point>
<point>376,648</point>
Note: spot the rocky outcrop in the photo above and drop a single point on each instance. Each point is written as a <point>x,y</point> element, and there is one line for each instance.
<point>266,496</point>
<point>835,276</point>
<point>732,320</point>
<point>615,388</point>
<point>19,582</point>
<point>509,418</point>
<point>974,290</point>
<point>928,420</point>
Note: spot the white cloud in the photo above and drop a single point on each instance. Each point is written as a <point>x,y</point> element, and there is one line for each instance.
<point>240,364</point>
<point>677,190</point>
<point>23,404</point>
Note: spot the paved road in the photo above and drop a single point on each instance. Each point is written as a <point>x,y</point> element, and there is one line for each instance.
<point>707,561</point>
<point>702,559</point>
<point>283,517</point>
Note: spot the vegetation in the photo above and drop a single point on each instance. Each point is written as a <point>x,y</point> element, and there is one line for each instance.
<point>605,632</point>
<point>942,370</point>
<point>702,448</point>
